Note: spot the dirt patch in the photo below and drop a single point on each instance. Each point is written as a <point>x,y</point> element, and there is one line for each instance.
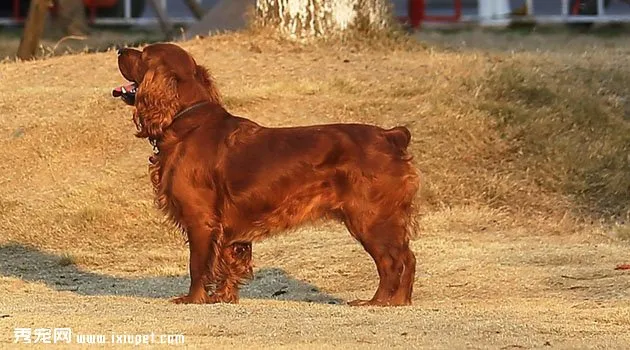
<point>516,248</point>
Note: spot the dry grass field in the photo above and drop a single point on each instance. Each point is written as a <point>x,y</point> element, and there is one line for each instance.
<point>523,142</point>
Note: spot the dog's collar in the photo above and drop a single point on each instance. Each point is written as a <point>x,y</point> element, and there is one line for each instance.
<point>154,142</point>
<point>191,108</point>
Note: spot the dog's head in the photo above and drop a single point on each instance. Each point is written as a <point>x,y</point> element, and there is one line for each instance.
<point>163,80</point>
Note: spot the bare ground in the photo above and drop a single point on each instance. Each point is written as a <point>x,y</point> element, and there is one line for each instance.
<point>511,255</point>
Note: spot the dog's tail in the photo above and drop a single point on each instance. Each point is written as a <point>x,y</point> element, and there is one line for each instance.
<point>399,137</point>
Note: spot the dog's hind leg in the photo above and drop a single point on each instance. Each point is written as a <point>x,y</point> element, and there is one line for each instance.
<point>387,243</point>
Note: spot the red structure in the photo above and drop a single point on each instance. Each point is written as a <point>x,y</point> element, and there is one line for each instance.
<point>417,13</point>
<point>16,10</point>
<point>92,6</point>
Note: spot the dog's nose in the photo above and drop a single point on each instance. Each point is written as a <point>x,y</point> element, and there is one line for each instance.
<point>120,52</point>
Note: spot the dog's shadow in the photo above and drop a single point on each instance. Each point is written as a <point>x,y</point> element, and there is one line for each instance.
<point>32,265</point>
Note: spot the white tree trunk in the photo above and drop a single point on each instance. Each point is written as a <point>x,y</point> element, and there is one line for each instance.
<point>307,18</point>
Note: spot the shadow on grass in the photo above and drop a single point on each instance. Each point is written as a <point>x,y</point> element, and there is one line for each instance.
<point>32,265</point>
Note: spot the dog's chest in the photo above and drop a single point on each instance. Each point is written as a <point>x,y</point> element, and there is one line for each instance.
<point>161,172</point>
<point>184,189</point>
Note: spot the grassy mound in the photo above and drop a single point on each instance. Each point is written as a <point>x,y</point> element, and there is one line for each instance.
<point>568,122</point>
<point>500,138</point>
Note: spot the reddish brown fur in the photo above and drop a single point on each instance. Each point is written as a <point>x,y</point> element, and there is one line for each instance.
<point>228,181</point>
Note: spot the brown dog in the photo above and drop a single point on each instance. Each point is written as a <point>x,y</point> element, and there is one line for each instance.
<point>228,181</point>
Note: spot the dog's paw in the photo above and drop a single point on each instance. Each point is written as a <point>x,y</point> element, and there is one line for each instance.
<point>359,302</point>
<point>194,299</point>
<point>373,302</point>
<point>221,298</point>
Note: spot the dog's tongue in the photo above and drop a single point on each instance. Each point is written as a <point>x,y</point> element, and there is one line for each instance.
<point>124,89</point>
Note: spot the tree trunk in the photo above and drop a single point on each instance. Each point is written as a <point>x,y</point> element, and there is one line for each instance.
<point>308,18</point>
<point>33,28</point>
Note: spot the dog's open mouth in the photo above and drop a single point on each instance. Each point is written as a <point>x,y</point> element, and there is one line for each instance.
<point>127,93</point>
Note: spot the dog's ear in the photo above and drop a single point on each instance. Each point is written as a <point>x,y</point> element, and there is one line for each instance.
<point>204,78</point>
<point>157,101</point>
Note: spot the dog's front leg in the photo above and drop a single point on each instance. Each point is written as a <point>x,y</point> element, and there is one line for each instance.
<point>201,239</point>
